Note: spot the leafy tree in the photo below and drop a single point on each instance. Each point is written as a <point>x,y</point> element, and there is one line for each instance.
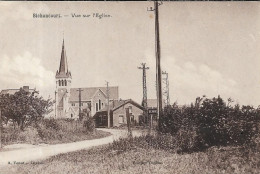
<point>24,107</point>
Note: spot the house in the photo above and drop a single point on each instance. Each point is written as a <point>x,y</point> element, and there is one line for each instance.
<point>72,101</point>
<point>13,91</point>
<point>117,111</point>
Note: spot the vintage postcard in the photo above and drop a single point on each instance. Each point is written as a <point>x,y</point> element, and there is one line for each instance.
<point>129,87</point>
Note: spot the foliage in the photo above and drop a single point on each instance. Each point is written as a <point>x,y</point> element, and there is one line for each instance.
<point>50,131</point>
<point>24,108</point>
<point>210,122</point>
<point>89,125</point>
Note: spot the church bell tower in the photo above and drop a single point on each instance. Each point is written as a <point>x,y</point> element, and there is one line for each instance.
<point>63,84</point>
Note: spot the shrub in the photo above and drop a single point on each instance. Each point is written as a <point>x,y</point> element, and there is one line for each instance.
<point>89,124</point>
<point>210,122</point>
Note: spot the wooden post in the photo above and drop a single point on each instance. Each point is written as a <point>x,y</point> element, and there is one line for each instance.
<point>108,108</point>
<point>0,128</point>
<point>128,122</point>
<point>55,105</point>
<point>151,122</point>
<point>158,63</point>
<point>80,115</point>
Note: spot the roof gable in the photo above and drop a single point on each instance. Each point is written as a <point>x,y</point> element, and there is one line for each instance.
<point>126,102</point>
<point>116,104</point>
<point>88,93</point>
<point>101,92</point>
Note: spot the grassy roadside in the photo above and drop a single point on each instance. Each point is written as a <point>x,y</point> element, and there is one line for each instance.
<point>51,132</point>
<point>138,156</point>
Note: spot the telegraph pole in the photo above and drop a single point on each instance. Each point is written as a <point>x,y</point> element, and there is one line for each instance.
<point>55,105</point>
<point>166,89</point>
<point>108,107</point>
<point>144,68</point>
<point>79,102</point>
<point>158,60</point>
<point>0,128</point>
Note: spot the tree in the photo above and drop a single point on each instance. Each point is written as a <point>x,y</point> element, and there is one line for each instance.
<point>24,107</point>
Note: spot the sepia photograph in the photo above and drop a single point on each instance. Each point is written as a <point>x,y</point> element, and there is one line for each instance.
<point>164,87</point>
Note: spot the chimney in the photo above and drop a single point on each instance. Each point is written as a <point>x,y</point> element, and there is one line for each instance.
<point>26,88</point>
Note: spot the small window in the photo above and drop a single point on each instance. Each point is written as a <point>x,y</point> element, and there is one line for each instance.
<point>132,119</point>
<point>96,107</point>
<point>121,119</point>
<point>59,83</point>
<point>99,104</point>
<point>65,82</point>
<point>130,109</point>
<point>72,104</point>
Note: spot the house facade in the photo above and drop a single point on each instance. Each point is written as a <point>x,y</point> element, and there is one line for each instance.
<point>118,113</point>
<point>72,101</point>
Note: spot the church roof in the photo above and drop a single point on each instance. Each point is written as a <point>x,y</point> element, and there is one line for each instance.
<point>63,70</point>
<point>88,93</point>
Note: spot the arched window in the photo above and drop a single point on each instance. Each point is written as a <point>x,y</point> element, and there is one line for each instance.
<point>59,83</point>
<point>96,107</point>
<point>99,104</point>
<point>65,82</point>
<point>62,83</point>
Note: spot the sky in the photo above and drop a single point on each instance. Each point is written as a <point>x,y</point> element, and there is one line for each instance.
<point>207,48</point>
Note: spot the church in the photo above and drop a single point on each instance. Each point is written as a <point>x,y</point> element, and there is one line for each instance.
<point>72,101</point>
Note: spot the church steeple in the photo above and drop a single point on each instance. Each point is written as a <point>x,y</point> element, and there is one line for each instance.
<point>63,69</point>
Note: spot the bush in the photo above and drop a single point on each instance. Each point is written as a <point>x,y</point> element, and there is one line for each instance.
<point>89,125</point>
<point>29,135</point>
<point>51,124</point>
<point>210,122</point>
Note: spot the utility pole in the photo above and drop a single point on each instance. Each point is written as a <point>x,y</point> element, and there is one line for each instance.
<point>158,60</point>
<point>55,105</point>
<point>128,123</point>
<point>108,107</point>
<point>166,88</point>
<point>144,103</point>
<point>0,128</point>
<point>80,102</point>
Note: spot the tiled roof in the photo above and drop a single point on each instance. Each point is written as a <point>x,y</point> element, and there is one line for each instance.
<point>152,103</point>
<point>118,103</point>
<point>11,91</point>
<point>88,93</point>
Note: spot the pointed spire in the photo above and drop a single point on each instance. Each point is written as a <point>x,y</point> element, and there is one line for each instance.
<point>63,69</point>
<point>63,60</point>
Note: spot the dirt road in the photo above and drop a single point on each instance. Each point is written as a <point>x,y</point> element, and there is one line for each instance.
<point>42,152</point>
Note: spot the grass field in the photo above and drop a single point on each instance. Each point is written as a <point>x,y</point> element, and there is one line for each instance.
<point>142,158</point>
